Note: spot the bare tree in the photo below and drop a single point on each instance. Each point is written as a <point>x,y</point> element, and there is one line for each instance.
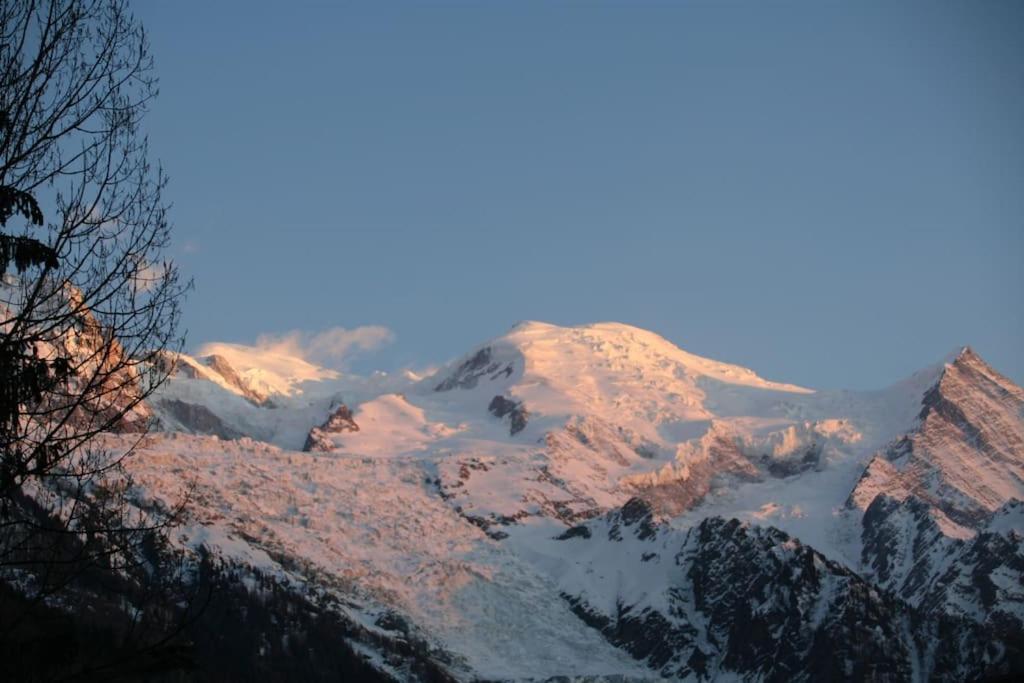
<point>89,307</point>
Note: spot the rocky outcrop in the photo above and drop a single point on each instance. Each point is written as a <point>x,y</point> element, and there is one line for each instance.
<point>470,371</point>
<point>903,546</point>
<point>636,517</point>
<point>339,421</point>
<point>982,578</point>
<point>984,584</point>
<point>807,459</point>
<point>501,406</point>
<point>682,484</point>
<point>223,367</point>
<point>197,419</point>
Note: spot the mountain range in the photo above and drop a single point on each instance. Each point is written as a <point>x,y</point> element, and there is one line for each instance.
<point>593,502</point>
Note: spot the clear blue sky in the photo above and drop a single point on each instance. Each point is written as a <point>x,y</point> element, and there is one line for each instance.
<point>830,194</point>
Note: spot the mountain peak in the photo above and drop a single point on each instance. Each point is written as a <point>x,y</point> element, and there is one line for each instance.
<point>965,457</point>
<point>963,355</point>
<point>619,347</point>
<point>618,373</point>
<point>263,371</point>
<point>959,352</point>
<point>966,366</point>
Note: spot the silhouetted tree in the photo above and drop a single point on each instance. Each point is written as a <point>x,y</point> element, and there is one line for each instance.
<point>88,310</point>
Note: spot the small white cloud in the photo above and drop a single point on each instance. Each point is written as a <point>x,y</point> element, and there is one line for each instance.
<point>330,347</point>
<point>190,247</point>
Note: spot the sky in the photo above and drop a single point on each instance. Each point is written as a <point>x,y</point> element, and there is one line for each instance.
<point>831,194</point>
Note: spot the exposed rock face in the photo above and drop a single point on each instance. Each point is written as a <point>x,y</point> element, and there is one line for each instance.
<point>966,457</point>
<point>317,442</point>
<point>339,422</point>
<point>198,419</point>
<point>977,581</point>
<point>479,365</point>
<point>721,457</point>
<point>798,612</point>
<point>984,582</point>
<point>752,601</point>
<point>682,484</point>
<point>980,578</point>
<point>636,515</point>
<point>223,367</point>
<point>903,546</point>
<point>501,406</point>
<point>106,385</point>
<point>800,462</point>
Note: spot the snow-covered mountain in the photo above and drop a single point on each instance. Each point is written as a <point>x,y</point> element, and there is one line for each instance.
<point>595,501</point>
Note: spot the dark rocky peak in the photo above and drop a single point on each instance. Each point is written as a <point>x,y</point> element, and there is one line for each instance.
<point>339,421</point>
<point>636,511</point>
<point>516,412</point>
<point>469,372</point>
<point>753,603</point>
<point>742,539</point>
